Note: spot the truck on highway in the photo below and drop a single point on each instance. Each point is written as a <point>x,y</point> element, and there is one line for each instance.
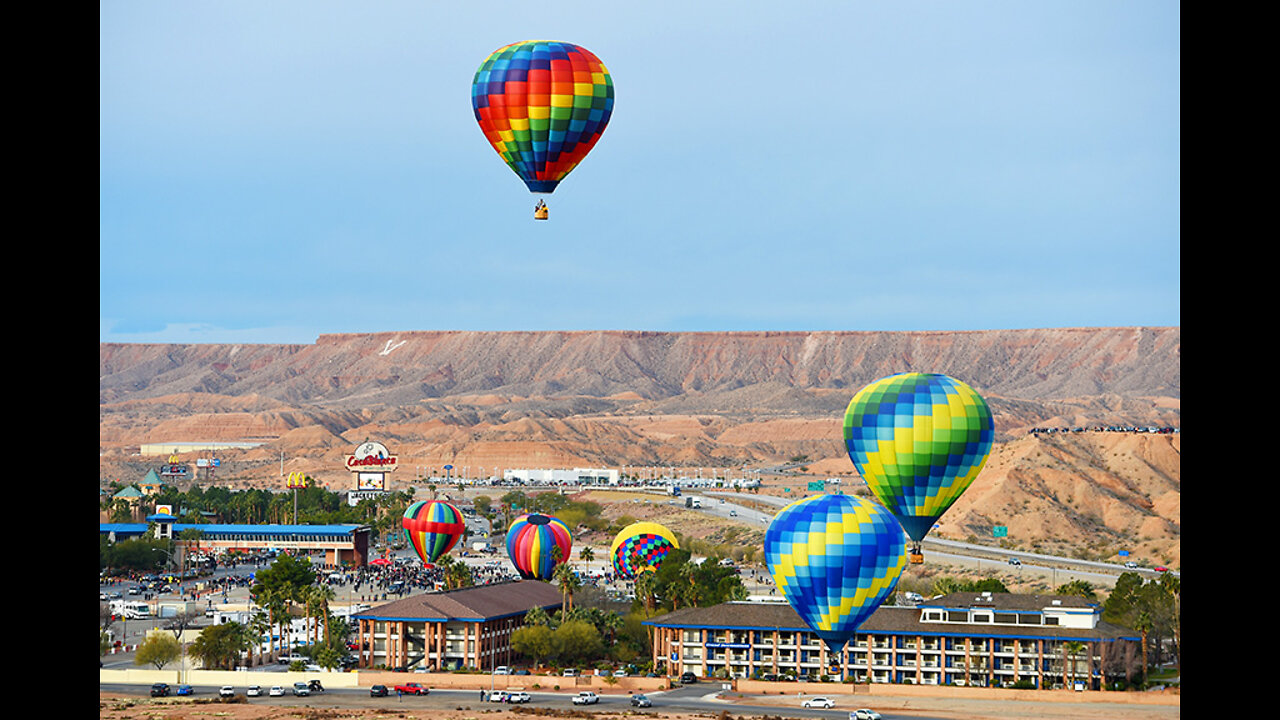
<point>692,502</point>
<point>674,491</point>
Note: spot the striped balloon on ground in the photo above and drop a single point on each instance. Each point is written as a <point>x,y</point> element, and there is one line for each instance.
<point>432,527</point>
<point>919,440</point>
<point>640,547</point>
<point>531,543</point>
<point>835,558</point>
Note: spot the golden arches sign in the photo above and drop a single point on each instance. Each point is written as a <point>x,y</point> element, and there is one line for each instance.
<point>297,479</point>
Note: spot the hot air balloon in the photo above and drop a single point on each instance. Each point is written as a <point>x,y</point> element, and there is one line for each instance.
<point>835,558</point>
<point>919,441</point>
<point>542,105</point>
<point>531,541</point>
<point>433,528</point>
<point>640,547</point>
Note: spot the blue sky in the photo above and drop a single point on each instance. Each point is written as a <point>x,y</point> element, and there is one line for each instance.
<point>270,172</point>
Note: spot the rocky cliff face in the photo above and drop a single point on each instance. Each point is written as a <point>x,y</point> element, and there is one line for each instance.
<point>564,399</point>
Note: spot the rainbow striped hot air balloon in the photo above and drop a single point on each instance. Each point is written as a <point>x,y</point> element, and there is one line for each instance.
<point>543,105</point>
<point>640,547</point>
<point>432,527</point>
<point>919,440</point>
<point>531,541</point>
<point>835,558</point>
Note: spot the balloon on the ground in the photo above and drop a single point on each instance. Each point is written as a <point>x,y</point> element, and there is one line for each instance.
<point>432,527</point>
<point>835,558</point>
<point>640,547</point>
<point>919,440</point>
<point>531,543</point>
<point>542,105</point>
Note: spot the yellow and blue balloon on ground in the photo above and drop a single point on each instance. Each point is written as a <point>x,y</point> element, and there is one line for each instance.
<point>919,440</point>
<point>835,558</point>
<point>531,543</point>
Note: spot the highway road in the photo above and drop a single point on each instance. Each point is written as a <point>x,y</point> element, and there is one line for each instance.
<point>1057,569</point>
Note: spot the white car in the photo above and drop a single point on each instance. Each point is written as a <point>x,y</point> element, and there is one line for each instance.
<point>865,714</point>
<point>226,691</point>
<point>819,702</point>
<point>254,691</point>
<point>276,691</point>
<point>518,697</point>
<point>586,698</point>
<point>497,696</point>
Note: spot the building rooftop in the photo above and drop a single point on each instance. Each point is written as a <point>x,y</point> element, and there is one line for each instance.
<point>475,604</point>
<point>888,620</point>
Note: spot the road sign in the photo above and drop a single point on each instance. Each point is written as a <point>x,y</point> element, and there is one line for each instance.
<point>816,485</point>
<point>1000,531</point>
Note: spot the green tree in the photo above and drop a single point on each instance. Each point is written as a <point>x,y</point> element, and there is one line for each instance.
<point>577,641</point>
<point>534,641</point>
<point>219,646</point>
<point>158,649</point>
<point>1077,588</point>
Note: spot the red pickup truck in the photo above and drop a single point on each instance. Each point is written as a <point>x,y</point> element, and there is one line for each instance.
<point>412,689</point>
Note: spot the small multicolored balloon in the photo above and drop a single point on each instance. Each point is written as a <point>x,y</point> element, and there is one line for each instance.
<point>531,541</point>
<point>543,105</point>
<point>640,547</point>
<point>432,527</point>
<point>919,440</point>
<point>835,558</point>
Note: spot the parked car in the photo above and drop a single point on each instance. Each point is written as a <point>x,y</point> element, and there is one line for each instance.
<point>226,691</point>
<point>276,691</point>
<point>412,688</point>
<point>688,678</point>
<point>185,690</point>
<point>640,701</point>
<point>865,714</point>
<point>254,691</point>
<point>378,691</point>
<point>502,670</point>
<point>520,697</point>
<point>160,690</point>
<point>586,698</point>
<point>570,672</point>
<point>497,696</point>
<point>300,689</point>
<point>819,702</point>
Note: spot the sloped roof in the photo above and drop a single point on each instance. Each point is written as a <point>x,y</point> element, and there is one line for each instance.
<point>473,604</point>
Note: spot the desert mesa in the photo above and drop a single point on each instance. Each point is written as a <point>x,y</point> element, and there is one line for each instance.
<point>694,402</point>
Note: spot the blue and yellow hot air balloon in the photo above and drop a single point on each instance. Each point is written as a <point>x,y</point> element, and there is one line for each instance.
<point>835,558</point>
<point>640,547</point>
<point>531,542</point>
<point>919,440</point>
<point>432,527</point>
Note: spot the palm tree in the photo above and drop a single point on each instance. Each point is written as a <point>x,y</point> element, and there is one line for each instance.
<point>324,595</point>
<point>1144,624</point>
<point>258,625</point>
<point>1070,650</point>
<point>586,554</point>
<point>569,582</point>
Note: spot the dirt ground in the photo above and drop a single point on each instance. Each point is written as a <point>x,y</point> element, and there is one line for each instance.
<point>120,707</point>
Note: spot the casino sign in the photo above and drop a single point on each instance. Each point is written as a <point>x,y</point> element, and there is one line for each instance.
<point>369,465</point>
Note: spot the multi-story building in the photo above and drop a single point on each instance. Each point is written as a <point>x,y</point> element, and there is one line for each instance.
<point>958,639</point>
<point>466,628</point>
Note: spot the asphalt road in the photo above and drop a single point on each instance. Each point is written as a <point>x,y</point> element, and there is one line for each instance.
<point>697,698</point>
